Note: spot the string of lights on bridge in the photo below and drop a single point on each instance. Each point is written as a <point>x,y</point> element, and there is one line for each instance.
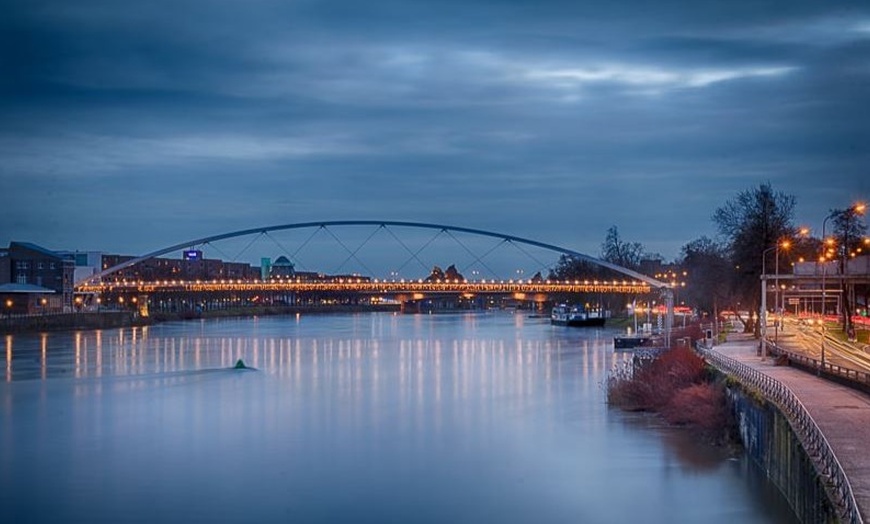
<point>365,285</point>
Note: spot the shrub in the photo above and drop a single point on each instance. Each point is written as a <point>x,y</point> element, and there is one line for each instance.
<point>699,405</point>
<point>652,385</point>
<point>677,384</point>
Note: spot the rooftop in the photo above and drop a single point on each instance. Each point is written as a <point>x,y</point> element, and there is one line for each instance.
<point>23,288</point>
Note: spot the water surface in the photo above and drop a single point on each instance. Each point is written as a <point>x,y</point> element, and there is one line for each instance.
<point>489,417</point>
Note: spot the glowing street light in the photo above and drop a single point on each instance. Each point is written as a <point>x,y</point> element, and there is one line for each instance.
<point>858,208</point>
<point>785,244</point>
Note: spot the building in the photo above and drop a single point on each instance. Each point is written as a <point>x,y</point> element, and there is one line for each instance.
<point>5,275</point>
<point>801,291</point>
<point>28,299</point>
<point>282,268</point>
<point>44,277</point>
<point>189,268</point>
<point>87,264</point>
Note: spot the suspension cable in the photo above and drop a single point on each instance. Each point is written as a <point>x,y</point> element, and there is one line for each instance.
<point>352,255</point>
<point>438,234</point>
<point>476,258</point>
<point>281,248</point>
<point>355,251</point>
<point>226,256</point>
<point>534,259</point>
<point>249,245</point>
<point>413,255</point>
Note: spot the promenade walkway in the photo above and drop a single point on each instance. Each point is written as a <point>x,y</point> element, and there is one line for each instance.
<point>841,413</point>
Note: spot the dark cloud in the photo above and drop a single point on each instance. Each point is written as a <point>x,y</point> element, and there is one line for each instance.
<point>126,126</point>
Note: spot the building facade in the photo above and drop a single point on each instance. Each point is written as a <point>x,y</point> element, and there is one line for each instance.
<point>27,264</point>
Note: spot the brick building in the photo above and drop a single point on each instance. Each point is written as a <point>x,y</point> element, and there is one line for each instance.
<point>30,267</point>
<point>191,269</point>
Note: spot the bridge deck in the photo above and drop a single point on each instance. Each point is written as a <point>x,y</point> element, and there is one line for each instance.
<point>842,413</point>
<point>376,287</point>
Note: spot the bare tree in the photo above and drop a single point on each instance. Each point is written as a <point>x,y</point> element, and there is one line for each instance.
<point>710,275</point>
<point>753,222</point>
<point>621,253</point>
<point>849,232</point>
<point>571,268</point>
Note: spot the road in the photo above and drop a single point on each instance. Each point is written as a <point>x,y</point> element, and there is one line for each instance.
<point>800,336</point>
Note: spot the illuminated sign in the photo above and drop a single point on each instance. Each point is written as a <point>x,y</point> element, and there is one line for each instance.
<point>193,254</point>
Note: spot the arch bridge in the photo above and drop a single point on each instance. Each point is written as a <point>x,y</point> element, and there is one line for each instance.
<point>634,283</point>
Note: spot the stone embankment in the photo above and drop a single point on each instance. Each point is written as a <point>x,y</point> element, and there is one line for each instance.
<point>115,319</point>
<point>65,321</point>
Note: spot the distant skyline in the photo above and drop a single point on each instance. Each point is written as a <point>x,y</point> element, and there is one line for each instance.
<point>129,126</point>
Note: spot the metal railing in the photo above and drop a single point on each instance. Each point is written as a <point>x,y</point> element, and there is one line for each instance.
<point>811,437</point>
<point>844,375</point>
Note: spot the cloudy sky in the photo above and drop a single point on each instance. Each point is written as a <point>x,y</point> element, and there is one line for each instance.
<point>128,126</point>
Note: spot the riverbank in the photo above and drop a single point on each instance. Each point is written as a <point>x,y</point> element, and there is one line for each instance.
<point>70,321</point>
<point>256,311</point>
<point>828,421</point>
<point>677,385</point>
<point>115,319</point>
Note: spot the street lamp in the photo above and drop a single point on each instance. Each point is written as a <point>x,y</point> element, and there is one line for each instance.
<point>824,298</point>
<point>785,244</point>
<point>859,208</point>
<point>762,317</point>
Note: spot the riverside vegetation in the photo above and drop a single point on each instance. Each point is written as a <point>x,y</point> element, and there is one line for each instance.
<point>678,385</point>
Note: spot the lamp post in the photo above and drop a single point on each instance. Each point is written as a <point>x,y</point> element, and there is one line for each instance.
<point>824,273</point>
<point>785,244</point>
<point>762,317</point>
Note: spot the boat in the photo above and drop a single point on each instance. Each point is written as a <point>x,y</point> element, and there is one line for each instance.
<point>634,341</point>
<point>575,316</point>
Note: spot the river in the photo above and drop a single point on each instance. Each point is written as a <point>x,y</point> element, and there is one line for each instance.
<point>487,417</point>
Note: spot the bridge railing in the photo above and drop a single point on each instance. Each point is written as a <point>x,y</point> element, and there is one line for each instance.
<point>811,437</point>
<point>369,286</point>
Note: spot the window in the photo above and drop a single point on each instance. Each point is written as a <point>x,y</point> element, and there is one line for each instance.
<point>51,265</point>
<point>40,265</point>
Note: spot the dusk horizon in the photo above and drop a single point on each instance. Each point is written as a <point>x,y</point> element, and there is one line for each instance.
<point>129,127</point>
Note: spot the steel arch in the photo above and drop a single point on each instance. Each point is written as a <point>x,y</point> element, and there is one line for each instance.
<point>383,223</point>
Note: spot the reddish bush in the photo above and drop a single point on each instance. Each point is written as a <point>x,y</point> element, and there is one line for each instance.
<point>699,405</point>
<point>629,394</point>
<point>674,384</point>
<point>658,381</point>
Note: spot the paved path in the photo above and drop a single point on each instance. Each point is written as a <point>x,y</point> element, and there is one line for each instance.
<point>843,414</point>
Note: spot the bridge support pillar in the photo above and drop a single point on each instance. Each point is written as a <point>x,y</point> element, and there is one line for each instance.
<point>540,299</point>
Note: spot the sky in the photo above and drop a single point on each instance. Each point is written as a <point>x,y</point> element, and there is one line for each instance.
<point>130,126</point>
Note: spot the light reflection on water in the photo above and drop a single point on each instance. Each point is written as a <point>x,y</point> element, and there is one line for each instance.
<point>453,418</point>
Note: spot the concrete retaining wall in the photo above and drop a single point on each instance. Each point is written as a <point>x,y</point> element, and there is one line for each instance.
<point>771,443</point>
<point>90,320</point>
